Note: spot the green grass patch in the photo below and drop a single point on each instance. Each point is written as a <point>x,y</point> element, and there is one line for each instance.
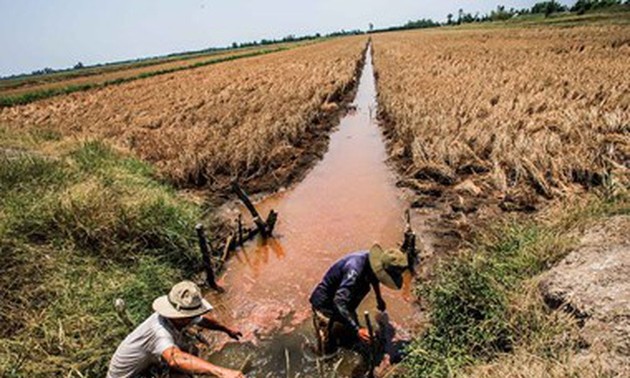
<point>76,232</point>
<point>483,302</point>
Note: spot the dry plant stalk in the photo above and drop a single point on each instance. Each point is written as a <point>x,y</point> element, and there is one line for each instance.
<point>205,126</point>
<point>520,111</point>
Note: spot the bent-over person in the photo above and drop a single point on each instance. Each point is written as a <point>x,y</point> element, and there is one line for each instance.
<point>160,338</point>
<point>343,288</point>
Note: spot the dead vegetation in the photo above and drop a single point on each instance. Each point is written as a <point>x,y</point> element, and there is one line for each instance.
<point>110,73</point>
<point>515,116</point>
<point>207,126</point>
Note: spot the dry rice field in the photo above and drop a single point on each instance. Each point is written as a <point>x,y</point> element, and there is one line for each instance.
<point>99,75</point>
<point>523,113</point>
<point>205,126</point>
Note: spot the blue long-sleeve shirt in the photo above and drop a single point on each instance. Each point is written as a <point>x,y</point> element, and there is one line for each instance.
<point>343,288</point>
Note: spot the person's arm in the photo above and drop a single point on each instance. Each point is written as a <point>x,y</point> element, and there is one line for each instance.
<point>209,322</point>
<point>342,299</point>
<point>380,302</point>
<point>187,363</point>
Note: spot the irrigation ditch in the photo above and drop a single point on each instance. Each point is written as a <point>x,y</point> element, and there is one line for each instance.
<point>347,201</point>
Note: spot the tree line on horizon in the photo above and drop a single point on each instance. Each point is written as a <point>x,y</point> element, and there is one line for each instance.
<point>499,14</point>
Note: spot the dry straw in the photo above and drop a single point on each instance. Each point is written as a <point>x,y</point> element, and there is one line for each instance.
<point>201,126</point>
<point>523,110</point>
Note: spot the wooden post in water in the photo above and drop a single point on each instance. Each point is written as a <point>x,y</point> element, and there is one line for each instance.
<point>227,248</point>
<point>318,335</point>
<point>409,244</point>
<point>205,256</point>
<point>288,362</point>
<point>372,346</point>
<point>260,223</point>
<point>246,364</point>
<point>272,218</point>
<point>240,229</point>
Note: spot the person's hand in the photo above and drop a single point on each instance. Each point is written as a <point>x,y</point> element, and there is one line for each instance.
<point>234,334</point>
<point>384,367</point>
<point>227,373</point>
<point>364,335</point>
<point>381,305</point>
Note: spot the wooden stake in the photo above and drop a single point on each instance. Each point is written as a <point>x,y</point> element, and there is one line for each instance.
<point>227,248</point>
<point>262,227</point>
<point>205,256</point>
<point>240,229</point>
<point>245,365</point>
<point>320,369</point>
<point>288,362</point>
<point>409,244</point>
<point>372,356</point>
<point>272,218</point>
<point>336,367</point>
<point>320,343</point>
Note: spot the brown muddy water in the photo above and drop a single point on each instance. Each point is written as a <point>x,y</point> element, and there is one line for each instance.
<point>346,203</point>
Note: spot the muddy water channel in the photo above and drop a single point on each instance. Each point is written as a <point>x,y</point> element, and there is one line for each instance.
<point>347,202</point>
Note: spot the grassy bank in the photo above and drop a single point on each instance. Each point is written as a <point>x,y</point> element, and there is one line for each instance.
<point>78,230</point>
<point>485,306</point>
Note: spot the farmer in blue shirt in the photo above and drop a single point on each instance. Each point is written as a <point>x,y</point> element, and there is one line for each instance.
<point>347,282</point>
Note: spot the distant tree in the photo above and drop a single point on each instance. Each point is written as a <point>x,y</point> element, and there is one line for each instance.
<point>460,16</point>
<point>78,66</point>
<point>468,18</point>
<point>43,71</point>
<point>500,14</point>
<point>582,6</point>
<point>371,26</point>
<point>289,38</point>
<point>449,19</point>
<point>420,24</point>
<point>548,7</point>
<point>234,45</point>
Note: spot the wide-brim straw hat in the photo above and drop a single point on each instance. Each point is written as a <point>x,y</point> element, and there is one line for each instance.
<point>183,301</point>
<point>388,265</point>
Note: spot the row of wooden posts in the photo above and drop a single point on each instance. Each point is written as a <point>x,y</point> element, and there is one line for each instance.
<point>265,227</point>
<point>237,238</point>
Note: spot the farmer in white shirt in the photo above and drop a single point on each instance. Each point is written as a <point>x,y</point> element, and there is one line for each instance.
<point>159,338</point>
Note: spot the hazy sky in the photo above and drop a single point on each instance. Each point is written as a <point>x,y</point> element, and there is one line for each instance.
<point>58,33</point>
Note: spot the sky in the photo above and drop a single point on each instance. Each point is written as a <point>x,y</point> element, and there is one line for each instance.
<point>59,33</point>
